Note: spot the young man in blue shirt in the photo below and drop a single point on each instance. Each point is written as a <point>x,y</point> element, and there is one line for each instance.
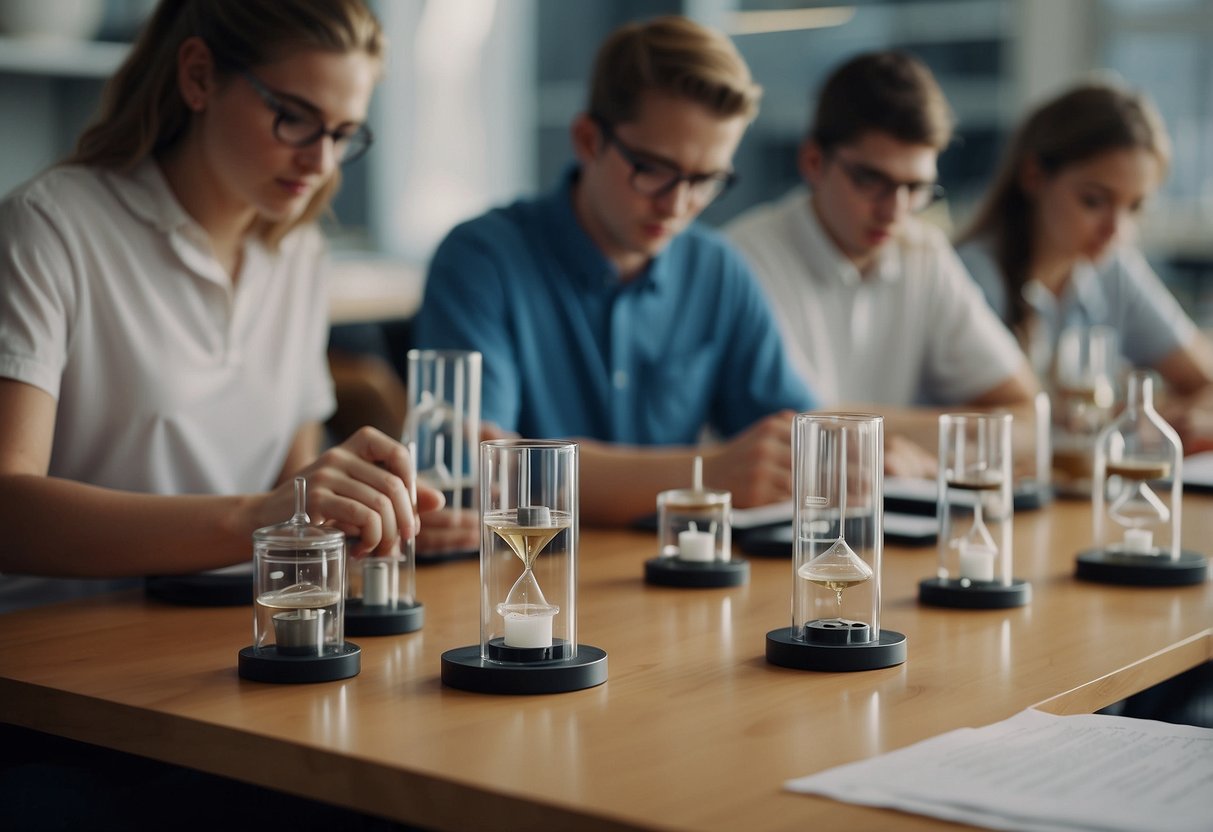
<point>604,314</point>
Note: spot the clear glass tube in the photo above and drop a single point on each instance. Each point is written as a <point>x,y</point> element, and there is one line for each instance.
<point>838,480</point>
<point>975,497</point>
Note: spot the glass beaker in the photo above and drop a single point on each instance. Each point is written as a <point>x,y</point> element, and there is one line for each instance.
<point>443,422</point>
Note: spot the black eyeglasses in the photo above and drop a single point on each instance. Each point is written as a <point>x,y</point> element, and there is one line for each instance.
<point>874,185</point>
<point>299,126</point>
<point>652,177</point>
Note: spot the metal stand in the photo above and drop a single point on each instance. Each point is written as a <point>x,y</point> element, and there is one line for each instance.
<point>463,668</point>
<point>663,571</point>
<point>270,665</point>
<point>1111,567</point>
<point>361,620</point>
<point>841,655</point>
<point>963,593</point>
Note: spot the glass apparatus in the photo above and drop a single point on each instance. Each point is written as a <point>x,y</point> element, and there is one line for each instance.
<point>528,575</point>
<point>443,423</point>
<point>975,511</point>
<point>1137,499</point>
<point>381,595</point>
<point>838,483</point>
<point>298,584</point>
<point>1084,393</point>
<point>694,532</point>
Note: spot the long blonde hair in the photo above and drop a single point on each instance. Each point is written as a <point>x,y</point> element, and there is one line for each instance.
<point>142,111</point>
<point>1078,125</point>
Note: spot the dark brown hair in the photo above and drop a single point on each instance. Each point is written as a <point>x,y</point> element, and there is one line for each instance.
<point>1078,125</point>
<point>889,92</point>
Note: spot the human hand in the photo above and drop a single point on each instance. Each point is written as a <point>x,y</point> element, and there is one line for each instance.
<point>756,465</point>
<point>904,458</point>
<point>444,531</point>
<point>359,487</point>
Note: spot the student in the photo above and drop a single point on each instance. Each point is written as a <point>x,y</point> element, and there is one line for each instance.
<point>872,301</point>
<point>1050,243</point>
<point>604,313</point>
<point>162,317</point>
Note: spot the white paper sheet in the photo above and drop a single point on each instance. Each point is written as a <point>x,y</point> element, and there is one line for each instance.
<point>1037,771</point>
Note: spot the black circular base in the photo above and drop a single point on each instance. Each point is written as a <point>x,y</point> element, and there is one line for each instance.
<point>268,665</point>
<point>382,621</point>
<point>786,651</point>
<point>464,669</point>
<point>1105,567</point>
<point>201,590</point>
<point>696,574</point>
<point>973,595</point>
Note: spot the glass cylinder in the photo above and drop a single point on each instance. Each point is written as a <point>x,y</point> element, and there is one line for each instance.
<point>975,503</point>
<point>838,478</point>
<point>383,584</point>
<point>443,423</point>
<point>1084,393</point>
<point>298,586</point>
<point>1138,496</point>
<point>693,524</point>
<point>528,550</point>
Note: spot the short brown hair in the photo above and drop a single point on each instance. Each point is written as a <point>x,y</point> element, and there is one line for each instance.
<point>673,55</point>
<point>888,92</point>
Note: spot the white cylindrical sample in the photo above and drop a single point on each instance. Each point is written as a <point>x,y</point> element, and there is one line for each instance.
<point>376,583</point>
<point>977,562</point>
<point>528,630</point>
<point>696,545</point>
<point>1139,541</point>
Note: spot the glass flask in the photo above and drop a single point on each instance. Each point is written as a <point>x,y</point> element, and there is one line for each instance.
<point>975,510</point>
<point>298,620</point>
<point>1137,501</point>
<point>528,575</point>
<point>838,482</point>
<point>443,422</point>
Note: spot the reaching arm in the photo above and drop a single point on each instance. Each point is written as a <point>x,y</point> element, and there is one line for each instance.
<point>64,528</point>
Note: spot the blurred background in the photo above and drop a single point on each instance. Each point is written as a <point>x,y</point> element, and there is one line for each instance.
<point>478,94</point>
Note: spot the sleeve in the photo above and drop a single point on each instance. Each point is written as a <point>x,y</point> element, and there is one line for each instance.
<point>37,296</point>
<point>969,349</point>
<point>758,377</point>
<point>1152,324</point>
<point>464,308</point>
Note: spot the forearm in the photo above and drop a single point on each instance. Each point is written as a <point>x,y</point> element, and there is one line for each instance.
<point>620,483</point>
<point>56,527</point>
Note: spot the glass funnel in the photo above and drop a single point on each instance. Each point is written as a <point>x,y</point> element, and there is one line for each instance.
<point>1137,498</point>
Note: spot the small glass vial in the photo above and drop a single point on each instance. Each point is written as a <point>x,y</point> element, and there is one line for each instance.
<point>838,484</point>
<point>1084,394</point>
<point>975,511</point>
<point>298,587</point>
<point>528,574</point>
<point>694,532</point>
<point>443,424</point>
<point>1137,499</point>
<point>381,589</point>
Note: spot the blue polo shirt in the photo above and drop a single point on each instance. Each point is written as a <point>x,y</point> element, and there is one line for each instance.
<point>570,350</point>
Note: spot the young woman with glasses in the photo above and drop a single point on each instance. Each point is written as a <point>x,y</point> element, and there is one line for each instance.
<point>163,320</point>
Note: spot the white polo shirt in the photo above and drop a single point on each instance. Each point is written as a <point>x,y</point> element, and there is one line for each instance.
<point>913,330</point>
<point>1122,292</point>
<point>169,379</point>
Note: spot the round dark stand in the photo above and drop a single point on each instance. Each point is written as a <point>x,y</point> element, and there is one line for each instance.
<point>523,669</point>
<point>272,665</point>
<point>362,620</point>
<point>1113,567</point>
<point>962,593</point>
<point>697,574</point>
<point>834,644</point>
<point>201,590</point>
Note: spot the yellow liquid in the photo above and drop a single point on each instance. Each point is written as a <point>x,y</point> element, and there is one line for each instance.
<point>834,576</point>
<point>528,541</point>
<point>1138,470</point>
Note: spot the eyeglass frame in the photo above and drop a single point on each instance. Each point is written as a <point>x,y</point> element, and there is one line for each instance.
<point>876,186</point>
<point>724,179</point>
<point>281,113</point>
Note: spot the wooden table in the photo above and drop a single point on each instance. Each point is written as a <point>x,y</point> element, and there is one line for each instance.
<point>693,731</point>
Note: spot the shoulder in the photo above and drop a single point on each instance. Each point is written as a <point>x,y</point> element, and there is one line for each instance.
<point>502,229</point>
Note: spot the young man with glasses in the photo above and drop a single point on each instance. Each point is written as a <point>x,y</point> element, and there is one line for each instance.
<point>875,307</point>
<point>605,314</point>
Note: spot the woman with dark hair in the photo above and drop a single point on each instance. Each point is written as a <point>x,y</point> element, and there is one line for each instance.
<point>163,316</point>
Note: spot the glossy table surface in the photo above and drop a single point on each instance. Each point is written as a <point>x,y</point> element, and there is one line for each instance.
<point>693,731</point>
